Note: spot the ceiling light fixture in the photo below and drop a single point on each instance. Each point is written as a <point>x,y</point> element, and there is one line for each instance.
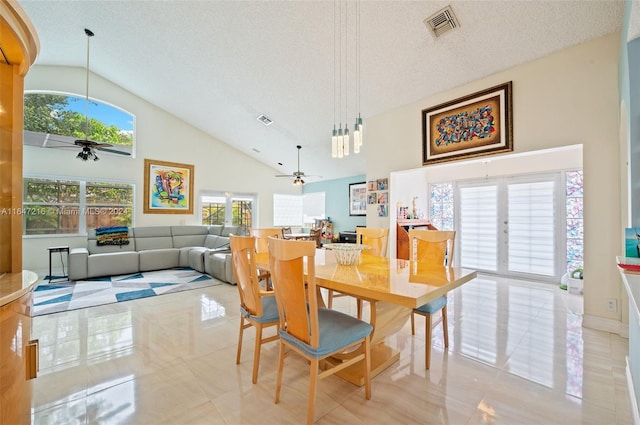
<point>340,137</point>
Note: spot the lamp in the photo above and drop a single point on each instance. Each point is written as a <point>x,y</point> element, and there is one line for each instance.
<point>298,181</point>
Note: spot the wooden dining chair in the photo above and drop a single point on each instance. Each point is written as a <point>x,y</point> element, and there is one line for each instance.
<point>316,236</point>
<point>432,247</point>
<point>377,239</point>
<point>257,306</point>
<point>286,231</point>
<point>262,239</point>
<point>305,329</point>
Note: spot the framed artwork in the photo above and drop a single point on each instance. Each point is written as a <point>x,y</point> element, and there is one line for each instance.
<point>372,198</point>
<point>474,125</point>
<point>382,210</point>
<point>168,187</point>
<point>358,198</point>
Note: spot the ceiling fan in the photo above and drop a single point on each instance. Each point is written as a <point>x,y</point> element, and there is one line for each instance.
<point>88,146</point>
<point>298,176</point>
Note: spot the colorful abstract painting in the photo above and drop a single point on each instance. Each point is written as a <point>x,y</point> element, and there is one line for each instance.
<point>478,124</point>
<point>168,187</point>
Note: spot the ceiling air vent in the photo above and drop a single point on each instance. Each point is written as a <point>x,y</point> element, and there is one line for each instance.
<point>265,120</point>
<point>442,22</point>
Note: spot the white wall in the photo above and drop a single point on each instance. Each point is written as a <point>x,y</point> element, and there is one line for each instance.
<point>568,98</point>
<point>159,136</point>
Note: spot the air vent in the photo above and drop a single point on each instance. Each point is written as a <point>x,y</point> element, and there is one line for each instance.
<point>265,120</point>
<point>442,22</point>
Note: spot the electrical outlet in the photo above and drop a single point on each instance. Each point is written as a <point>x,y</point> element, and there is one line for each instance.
<point>612,304</point>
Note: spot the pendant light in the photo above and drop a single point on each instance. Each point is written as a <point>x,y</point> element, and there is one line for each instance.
<point>341,137</point>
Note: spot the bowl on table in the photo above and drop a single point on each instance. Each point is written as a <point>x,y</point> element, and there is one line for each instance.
<point>346,254</point>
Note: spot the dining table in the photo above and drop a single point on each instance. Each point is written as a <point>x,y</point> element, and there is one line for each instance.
<point>393,287</point>
<point>296,236</point>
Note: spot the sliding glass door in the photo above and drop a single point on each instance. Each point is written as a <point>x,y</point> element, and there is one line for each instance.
<point>512,226</point>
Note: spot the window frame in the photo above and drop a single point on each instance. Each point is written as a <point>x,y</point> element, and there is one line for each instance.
<point>82,202</point>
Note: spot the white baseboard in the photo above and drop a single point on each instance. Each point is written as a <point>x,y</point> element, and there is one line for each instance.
<point>632,395</point>
<point>601,324</point>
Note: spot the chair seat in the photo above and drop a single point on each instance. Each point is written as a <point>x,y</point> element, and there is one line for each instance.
<point>337,330</point>
<point>269,311</point>
<point>432,306</point>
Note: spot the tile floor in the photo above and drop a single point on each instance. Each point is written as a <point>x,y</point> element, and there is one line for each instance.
<point>517,355</point>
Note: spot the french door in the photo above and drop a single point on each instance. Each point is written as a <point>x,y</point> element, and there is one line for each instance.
<point>512,226</point>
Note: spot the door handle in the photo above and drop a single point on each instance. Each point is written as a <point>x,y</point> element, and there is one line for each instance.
<point>32,351</point>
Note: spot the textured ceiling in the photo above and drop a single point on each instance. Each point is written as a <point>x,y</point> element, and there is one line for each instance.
<point>219,64</point>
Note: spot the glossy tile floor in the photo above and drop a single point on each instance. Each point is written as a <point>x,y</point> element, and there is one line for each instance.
<point>517,355</point>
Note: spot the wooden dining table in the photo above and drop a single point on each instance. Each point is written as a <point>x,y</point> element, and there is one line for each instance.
<point>393,287</point>
<point>296,236</point>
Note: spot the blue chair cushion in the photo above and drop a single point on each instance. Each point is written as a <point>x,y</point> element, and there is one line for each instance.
<point>433,306</point>
<point>337,330</point>
<point>269,311</point>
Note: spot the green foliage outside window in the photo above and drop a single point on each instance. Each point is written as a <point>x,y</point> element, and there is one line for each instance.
<point>51,113</point>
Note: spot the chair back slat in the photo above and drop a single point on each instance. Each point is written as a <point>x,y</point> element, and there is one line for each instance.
<point>377,239</point>
<point>434,247</point>
<point>262,236</point>
<point>295,295</point>
<point>244,268</point>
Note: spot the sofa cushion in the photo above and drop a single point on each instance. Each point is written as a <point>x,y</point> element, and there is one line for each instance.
<point>215,229</point>
<point>112,264</point>
<point>158,259</point>
<point>195,258</point>
<point>153,237</point>
<point>214,265</point>
<point>216,242</point>
<point>188,235</point>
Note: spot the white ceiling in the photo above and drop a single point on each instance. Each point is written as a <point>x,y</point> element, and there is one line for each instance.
<point>219,64</point>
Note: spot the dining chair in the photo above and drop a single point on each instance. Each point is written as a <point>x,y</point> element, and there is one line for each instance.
<point>377,239</point>
<point>431,247</point>
<point>305,329</point>
<point>316,235</point>
<point>286,231</point>
<point>262,240</point>
<point>257,306</point>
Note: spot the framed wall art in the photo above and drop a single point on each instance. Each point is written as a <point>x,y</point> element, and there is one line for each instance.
<point>168,187</point>
<point>358,198</point>
<point>474,125</point>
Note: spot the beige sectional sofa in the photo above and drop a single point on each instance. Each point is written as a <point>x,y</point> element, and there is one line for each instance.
<point>202,248</point>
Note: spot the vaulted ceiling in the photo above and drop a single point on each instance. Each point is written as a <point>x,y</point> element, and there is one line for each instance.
<point>218,65</point>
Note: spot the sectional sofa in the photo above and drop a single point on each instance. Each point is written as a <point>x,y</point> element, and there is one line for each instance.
<point>203,248</point>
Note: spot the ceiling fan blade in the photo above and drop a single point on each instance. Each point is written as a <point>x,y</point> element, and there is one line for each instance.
<point>124,153</point>
<point>285,175</point>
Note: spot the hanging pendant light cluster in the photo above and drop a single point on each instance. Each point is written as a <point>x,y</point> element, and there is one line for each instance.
<point>340,137</point>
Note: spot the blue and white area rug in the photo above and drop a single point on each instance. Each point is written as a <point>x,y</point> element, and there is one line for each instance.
<point>55,297</point>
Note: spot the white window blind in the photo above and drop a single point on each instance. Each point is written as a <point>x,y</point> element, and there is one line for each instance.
<point>287,210</point>
<point>312,207</point>
<point>478,227</point>
<point>532,227</point>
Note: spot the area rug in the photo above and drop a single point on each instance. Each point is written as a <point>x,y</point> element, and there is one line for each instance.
<point>54,297</point>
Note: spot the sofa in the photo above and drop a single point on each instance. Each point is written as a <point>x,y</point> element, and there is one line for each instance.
<point>202,248</point>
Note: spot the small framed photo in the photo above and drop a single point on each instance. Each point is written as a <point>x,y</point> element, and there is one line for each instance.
<point>358,198</point>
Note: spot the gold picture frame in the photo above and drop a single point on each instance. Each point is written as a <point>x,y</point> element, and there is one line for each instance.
<point>475,125</point>
<point>168,187</point>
